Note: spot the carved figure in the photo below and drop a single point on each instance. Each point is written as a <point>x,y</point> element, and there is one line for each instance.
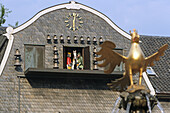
<point>74,60</point>
<point>69,64</point>
<point>80,61</point>
<point>135,62</point>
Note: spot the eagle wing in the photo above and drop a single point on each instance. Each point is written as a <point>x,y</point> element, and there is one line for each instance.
<point>155,57</point>
<point>109,56</point>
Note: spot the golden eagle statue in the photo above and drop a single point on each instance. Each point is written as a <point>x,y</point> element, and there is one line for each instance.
<point>135,61</point>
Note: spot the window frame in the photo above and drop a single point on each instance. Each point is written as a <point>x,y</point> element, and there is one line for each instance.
<point>36,46</point>
<point>82,54</point>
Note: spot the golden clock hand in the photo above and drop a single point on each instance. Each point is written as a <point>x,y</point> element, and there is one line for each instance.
<point>74,19</point>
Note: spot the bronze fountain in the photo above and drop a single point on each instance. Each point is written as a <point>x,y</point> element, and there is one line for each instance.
<point>134,97</point>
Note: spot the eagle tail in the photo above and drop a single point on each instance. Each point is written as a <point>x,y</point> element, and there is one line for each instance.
<point>120,84</point>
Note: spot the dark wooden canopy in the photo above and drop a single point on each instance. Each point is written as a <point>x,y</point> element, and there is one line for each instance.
<point>65,73</point>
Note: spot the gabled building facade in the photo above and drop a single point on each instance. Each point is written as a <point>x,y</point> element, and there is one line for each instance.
<point>34,73</point>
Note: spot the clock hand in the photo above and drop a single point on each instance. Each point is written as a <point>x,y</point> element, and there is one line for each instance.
<point>74,19</point>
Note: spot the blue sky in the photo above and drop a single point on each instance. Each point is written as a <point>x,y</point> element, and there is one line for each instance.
<point>149,17</point>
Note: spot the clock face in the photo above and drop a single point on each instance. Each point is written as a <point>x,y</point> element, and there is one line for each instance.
<point>74,21</point>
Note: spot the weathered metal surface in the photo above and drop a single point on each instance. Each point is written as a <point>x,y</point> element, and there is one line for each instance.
<point>139,101</point>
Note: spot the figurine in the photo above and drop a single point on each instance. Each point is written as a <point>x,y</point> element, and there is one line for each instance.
<point>74,66</point>
<point>69,64</point>
<point>80,61</point>
<point>135,62</point>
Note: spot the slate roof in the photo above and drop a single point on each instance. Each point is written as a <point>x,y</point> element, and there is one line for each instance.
<point>3,42</point>
<point>150,45</point>
<point>2,30</point>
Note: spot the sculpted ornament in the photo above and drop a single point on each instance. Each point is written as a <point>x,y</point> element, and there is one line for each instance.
<point>135,62</point>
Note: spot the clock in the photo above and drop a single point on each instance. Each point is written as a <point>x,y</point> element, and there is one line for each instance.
<point>74,21</point>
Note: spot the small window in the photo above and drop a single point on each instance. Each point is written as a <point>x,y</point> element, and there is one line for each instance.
<point>150,71</point>
<point>34,56</point>
<point>84,52</point>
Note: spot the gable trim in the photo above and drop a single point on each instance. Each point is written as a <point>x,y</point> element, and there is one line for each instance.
<point>10,37</point>
<point>72,5</point>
